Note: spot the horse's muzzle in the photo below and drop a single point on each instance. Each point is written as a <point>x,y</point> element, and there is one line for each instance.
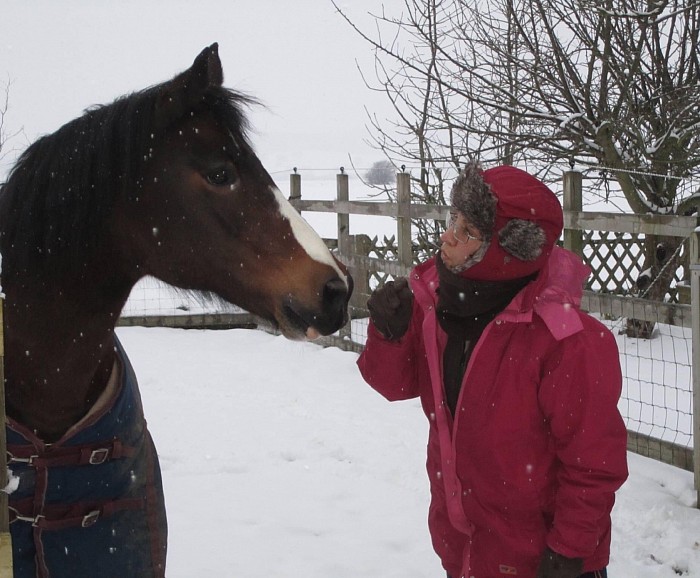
<point>330,314</point>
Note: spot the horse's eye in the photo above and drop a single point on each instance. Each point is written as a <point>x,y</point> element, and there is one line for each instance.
<point>219,177</point>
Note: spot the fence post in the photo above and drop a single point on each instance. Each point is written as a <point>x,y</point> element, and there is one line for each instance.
<point>573,201</point>
<point>294,187</point>
<point>344,240</point>
<point>343,194</point>
<point>695,324</point>
<point>403,198</point>
<point>361,246</point>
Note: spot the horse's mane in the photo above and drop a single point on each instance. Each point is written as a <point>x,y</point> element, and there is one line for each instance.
<point>59,192</point>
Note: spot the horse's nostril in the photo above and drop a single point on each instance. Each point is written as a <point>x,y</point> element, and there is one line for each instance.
<point>335,292</point>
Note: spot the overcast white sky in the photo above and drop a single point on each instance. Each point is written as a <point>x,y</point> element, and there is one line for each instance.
<point>299,58</point>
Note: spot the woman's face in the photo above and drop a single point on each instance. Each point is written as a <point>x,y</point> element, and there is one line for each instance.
<point>459,242</point>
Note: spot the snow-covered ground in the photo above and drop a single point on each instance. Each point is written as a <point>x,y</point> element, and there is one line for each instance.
<point>278,460</point>
<point>657,384</point>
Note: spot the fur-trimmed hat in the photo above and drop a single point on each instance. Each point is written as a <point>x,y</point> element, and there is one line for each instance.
<point>519,217</point>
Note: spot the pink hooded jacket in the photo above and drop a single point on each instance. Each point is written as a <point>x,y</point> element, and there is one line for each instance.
<point>537,447</point>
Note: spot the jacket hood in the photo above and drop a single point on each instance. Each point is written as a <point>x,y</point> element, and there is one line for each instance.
<point>518,216</point>
<point>555,295</point>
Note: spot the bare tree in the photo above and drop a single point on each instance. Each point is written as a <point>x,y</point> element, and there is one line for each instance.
<point>4,107</point>
<point>3,112</point>
<point>613,84</point>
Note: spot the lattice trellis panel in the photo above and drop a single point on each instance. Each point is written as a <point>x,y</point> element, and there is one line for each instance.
<point>387,250</point>
<point>616,261</point>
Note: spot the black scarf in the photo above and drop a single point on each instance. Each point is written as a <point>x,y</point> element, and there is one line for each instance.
<point>465,307</point>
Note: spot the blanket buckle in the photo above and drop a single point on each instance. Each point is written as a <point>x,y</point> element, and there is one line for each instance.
<point>17,517</point>
<point>90,519</point>
<point>99,456</point>
<point>13,460</point>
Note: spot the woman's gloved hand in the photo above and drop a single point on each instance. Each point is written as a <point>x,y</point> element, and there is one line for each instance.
<point>555,565</point>
<point>390,308</point>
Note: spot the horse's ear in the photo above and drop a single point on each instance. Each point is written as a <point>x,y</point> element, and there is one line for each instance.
<point>186,90</point>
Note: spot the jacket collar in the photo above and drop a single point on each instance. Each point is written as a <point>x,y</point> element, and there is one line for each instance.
<point>554,295</point>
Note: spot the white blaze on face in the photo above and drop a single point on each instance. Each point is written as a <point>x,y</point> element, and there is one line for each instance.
<point>305,235</point>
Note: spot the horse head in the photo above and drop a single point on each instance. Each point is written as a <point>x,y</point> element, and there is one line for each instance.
<point>205,215</point>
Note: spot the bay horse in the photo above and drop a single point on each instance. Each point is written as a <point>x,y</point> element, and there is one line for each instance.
<point>161,182</point>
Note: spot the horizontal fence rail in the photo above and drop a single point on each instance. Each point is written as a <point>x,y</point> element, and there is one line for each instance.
<point>662,225</point>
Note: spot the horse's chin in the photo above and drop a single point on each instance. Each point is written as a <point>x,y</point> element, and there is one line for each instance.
<point>298,323</point>
<point>294,326</point>
<point>295,333</point>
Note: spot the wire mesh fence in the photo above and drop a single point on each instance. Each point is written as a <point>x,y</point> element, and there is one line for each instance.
<point>657,390</point>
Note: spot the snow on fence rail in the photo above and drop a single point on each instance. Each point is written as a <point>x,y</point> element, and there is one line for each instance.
<point>660,389</point>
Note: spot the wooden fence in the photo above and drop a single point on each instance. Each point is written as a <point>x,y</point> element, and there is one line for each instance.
<point>584,233</point>
<point>631,230</point>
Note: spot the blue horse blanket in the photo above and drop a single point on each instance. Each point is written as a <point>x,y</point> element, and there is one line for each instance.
<point>90,505</point>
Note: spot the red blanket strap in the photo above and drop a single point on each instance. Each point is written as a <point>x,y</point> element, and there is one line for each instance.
<point>89,454</point>
<point>59,517</point>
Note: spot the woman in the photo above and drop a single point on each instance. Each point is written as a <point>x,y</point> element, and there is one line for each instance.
<point>526,446</point>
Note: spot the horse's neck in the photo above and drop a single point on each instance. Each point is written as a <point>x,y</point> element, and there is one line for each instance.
<point>59,351</point>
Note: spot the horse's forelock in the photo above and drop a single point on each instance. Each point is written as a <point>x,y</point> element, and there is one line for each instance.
<point>228,107</point>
